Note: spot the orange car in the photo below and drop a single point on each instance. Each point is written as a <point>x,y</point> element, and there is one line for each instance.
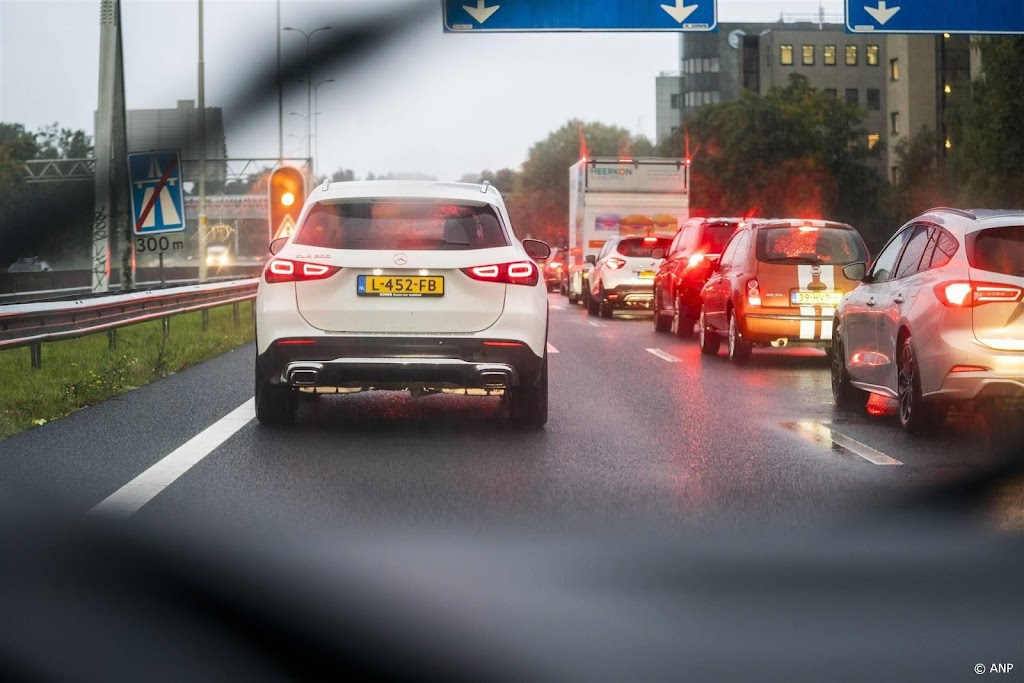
<point>778,283</point>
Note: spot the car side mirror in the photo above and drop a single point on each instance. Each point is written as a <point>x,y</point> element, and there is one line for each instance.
<point>536,249</point>
<point>658,252</point>
<point>590,258</point>
<point>855,271</point>
<point>277,245</point>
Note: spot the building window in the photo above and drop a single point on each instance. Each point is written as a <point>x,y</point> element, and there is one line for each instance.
<point>714,65</point>
<point>871,54</point>
<point>873,140</point>
<point>807,55</point>
<point>874,99</point>
<point>895,175</point>
<point>715,97</point>
<point>674,101</point>
<point>696,67</point>
<point>829,55</point>
<point>831,92</point>
<point>851,55</point>
<point>894,123</point>
<point>852,96</point>
<point>894,69</point>
<point>786,55</point>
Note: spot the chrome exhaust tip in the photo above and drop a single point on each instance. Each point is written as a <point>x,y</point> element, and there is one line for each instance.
<point>780,343</point>
<point>303,377</point>
<point>495,379</point>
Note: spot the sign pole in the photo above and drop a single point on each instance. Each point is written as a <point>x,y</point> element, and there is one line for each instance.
<point>101,222</point>
<point>122,226</point>
<point>202,156</point>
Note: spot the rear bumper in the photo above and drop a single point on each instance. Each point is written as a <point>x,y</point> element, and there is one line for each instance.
<point>631,295</point>
<point>398,363</point>
<point>760,327</point>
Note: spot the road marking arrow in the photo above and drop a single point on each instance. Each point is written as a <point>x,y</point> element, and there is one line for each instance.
<point>481,12</point>
<point>679,12</point>
<point>881,14</point>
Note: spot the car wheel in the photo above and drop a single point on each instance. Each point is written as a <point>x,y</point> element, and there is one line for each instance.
<point>844,394</point>
<point>682,324</point>
<point>916,414</point>
<point>661,322</point>
<point>739,348</point>
<point>528,403</point>
<point>276,404</point>
<point>592,305</point>
<point>605,309</point>
<point>706,337</point>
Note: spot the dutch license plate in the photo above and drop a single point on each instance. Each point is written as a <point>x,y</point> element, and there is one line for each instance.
<point>816,298</point>
<point>647,274</point>
<point>400,285</point>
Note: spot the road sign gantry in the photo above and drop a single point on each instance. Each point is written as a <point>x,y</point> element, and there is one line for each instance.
<point>482,16</point>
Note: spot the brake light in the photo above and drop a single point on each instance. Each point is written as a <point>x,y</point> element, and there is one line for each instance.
<point>517,273</point>
<point>695,259</point>
<point>650,240</point>
<point>753,293</point>
<point>555,264</point>
<point>283,270</point>
<point>507,344</point>
<point>968,294</point>
<point>295,342</point>
<point>616,263</point>
<point>968,368</point>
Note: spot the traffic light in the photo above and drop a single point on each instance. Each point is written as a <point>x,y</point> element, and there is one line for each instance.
<point>287,195</point>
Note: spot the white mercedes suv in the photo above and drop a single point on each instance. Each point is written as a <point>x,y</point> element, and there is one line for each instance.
<point>394,285</point>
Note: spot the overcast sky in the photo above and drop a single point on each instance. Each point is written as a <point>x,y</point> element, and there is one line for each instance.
<point>430,102</point>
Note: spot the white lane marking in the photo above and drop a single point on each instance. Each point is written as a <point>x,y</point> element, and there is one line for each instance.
<point>662,355</point>
<point>852,445</point>
<point>129,498</point>
<point>551,349</point>
<point>557,308</point>
<point>594,323</point>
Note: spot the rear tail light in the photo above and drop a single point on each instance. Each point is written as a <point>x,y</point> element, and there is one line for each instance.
<point>283,270</point>
<point>616,263</point>
<point>967,294</point>
<point>753,293</point>
<point>555,264</point>
<point>695,259</point>
<point>968,368</point>
<point>517,273</point>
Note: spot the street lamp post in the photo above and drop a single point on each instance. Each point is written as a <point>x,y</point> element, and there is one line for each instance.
<point>316,122</point>
<point>309,80</point>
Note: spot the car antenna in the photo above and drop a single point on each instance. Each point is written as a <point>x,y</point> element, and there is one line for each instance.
<point>485,186</point>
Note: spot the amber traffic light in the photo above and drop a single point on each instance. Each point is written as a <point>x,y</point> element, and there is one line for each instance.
<point>287,194</point>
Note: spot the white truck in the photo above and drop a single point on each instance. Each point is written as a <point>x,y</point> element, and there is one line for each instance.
<point>611,196</point>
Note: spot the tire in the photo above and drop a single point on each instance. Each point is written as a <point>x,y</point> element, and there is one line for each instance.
<point>739,348</point>
<point>707,338</point>
<point>276,404</point>
<point>528,403</point>
<point>844,394</point>
<point>605,309</point>
<point>661,322</point>
<point>916,414</point>
<point>682,324</point>
<point>592,306</point>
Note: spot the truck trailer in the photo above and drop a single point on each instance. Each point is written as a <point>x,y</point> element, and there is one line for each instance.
<point>615,196</point>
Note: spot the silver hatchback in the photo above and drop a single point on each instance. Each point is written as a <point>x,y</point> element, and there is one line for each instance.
<point>938,319</point>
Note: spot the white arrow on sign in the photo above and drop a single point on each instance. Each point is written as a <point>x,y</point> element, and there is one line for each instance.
<point>679,12</point>
<point>881,13</point>
<point>481,12</point>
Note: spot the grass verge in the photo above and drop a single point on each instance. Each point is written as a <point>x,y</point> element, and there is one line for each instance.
<point>84,371</point>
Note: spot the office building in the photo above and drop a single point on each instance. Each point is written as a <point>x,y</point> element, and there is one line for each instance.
<point>669,104</point>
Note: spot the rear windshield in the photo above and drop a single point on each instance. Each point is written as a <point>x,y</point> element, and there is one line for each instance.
<point>997,250</point>
<point>640,247</point>
<point>401,224</point>
<point>715,237</point>
<point>809,245</point>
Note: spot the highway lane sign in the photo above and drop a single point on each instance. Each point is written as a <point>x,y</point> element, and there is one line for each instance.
<point>482,16</point>
<point>158,201</point>
<point>935,16</point>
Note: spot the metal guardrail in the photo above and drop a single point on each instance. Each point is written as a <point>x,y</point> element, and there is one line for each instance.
<point>33,324</point>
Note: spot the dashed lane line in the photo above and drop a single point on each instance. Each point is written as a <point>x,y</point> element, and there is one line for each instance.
<point>594,323</point>
<point>821,433</point>
<point>129,498</point>
<point>551,348</point>
<point>663,355</point>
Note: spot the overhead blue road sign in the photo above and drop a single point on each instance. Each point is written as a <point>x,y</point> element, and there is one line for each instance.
<point>475,16</point>
<point>158,202</point>
<point>935,16</point>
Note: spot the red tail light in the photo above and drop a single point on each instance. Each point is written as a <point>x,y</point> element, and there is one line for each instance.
<point>555,264</point>
<point>967,294</point>
<point>616,263</point>
<point>695,259</point>
<point>283,270</point>
<point>517,273</point>
<point>753,293</point>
